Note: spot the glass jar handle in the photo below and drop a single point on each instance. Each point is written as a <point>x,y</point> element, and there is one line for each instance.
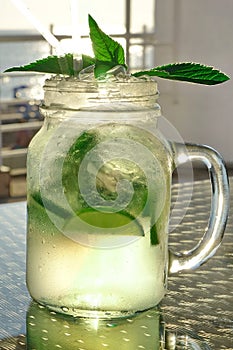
<point>213,235</point>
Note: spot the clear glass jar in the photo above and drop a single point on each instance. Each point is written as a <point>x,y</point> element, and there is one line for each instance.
<point>99,184</point>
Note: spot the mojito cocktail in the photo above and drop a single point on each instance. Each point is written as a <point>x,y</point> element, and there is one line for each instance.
<point>98,204</point>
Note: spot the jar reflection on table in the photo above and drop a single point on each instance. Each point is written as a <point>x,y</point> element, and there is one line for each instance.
<point>147,330</point>
<point>49,330</point>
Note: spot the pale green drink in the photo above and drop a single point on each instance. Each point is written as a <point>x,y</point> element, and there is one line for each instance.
<point>98,201</point>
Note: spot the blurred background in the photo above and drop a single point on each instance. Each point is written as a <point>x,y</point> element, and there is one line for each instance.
<point>153,32</point>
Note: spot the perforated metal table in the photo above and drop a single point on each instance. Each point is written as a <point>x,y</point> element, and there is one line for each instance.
<point>197,312</point>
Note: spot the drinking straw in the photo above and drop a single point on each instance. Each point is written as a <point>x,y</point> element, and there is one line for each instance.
<point>49,37</point>
<point>76,36</point>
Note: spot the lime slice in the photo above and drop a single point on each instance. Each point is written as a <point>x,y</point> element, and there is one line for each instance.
<point>91,219</point>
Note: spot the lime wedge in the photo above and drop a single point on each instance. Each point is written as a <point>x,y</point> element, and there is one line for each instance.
<point>100,219</point>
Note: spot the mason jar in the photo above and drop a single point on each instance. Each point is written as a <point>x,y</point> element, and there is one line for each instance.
<point>99,176</point>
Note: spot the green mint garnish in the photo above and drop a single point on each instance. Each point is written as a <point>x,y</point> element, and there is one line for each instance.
<point>190,72</point>
<point>154,235</point>
<point>54,64</point>
<point>109,53</point>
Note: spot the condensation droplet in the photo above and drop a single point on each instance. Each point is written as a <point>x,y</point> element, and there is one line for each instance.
<point>67,334</point>
<point>65,309</point>
<point>126,339</point>
<point>129,320</point>
<point>147,334</point>
<point>111,325</point>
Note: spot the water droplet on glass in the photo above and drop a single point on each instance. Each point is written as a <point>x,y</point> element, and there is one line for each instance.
<point>65,309</point>
<point>126,339</point>
<point>111,325</point>
<point>147,334</point>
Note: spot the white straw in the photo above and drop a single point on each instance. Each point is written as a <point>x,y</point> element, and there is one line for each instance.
<point>49,37</point>
<point>76,36</point>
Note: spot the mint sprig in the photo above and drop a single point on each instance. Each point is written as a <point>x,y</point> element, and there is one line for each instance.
<point>56,65</point>
<point>109,53</point>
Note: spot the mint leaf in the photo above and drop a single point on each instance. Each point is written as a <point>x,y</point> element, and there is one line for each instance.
<point>154,235</point>
<point>189,72</point>
<point>55,64</point>
<point>108,52</point>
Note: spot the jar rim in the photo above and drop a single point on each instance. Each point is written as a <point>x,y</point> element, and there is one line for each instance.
<point>74,93</point>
